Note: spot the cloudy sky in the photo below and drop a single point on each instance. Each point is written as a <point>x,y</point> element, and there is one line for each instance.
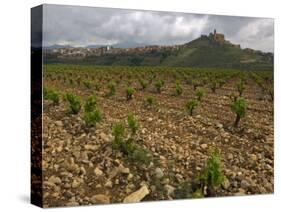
<point>82,26</point>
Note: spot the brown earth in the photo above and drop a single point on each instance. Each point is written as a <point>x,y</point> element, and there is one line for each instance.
<point>80,163</point>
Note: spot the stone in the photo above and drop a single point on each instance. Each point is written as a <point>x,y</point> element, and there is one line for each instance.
<point>158,173</point>
<point>68,194</point>
<point>84,156</point>
<point>130,177</point>
<point>55,180</point>
<point>229,156</point>
<point>104,137</point>
<point>219,125</point>
<point>226,184</point>
<point>244,184</point>
<point>137,196</point>
<point>253,157</point>
<point>91,147</point>
<point>169,189</point>
<point>98,172</point>
<point>179,177</point>
<point>75,184</point>
<point>240,192</point>
<point>83,170</point>
<point>100,199</point>
<point>59,123</point>
<point>72,203</point>
<point>108,184</point>
<point>203,146</point>
<point>162,158</point>
<point>76,154</point>
<point>113,173</point>
<point>125,170</point>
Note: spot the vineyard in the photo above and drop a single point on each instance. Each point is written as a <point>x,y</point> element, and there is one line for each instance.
<point>128,134</point>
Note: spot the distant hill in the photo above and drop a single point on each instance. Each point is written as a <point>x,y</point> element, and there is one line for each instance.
<point>129,44</point>
<point>206,51</point>
<point>58,46</point>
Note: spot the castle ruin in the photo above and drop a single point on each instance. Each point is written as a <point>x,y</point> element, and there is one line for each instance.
<point>219,39</point>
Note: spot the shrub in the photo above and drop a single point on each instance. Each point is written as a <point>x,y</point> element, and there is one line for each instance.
<point>143,84</point>
<point>97,86</point>
<point>90,104</point>
<point>52,95</point>
<point>132,123</point>
<point>221,82</point>
<point>213,86</point>
<point>129,147</point>
<point>74,103</point>
<point>271,93</point>
<point>118,132</point>
<point>183,191</point>
<point>195,84</point>
<point>240,87</point>
<point>158,85</point>
<point>87,84</point>
<point>212,176</point>
<point>149,101</point>
<point>45,92</point>
<point>141,155</point>
<point>238,106</point>
<point>112,88</point>
<point>78,80</point>
<point>178,88</point>
<point>71,81</point>
<point>190,106</point>
<point>199,94</point>
<point>91,118</point>
<point>129,93</point>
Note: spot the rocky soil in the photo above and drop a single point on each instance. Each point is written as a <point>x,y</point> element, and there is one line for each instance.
<point>81,167</point>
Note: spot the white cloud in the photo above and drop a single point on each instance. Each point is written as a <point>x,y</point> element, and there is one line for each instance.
<point>80,26</point>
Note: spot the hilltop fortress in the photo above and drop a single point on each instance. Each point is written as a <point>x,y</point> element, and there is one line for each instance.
<point>219,39</point>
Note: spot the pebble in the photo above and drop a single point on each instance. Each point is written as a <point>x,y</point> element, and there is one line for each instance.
<point>158,173</point>
<point>72,203</point>
<point>75,184</point>
<point>59,123</point>
<point>169,189</point>
<point>98,172</point>
<point>137,196</point>
<point>108,184</point>
<point>203,146</point>
<point>229,156</point>
<point>104,137</point>
<point>91,147</point>
<point>240,192</point>
<point>55,180</point>
<point>253,157</point>
<point>100,199</point>
<point>226,184</point>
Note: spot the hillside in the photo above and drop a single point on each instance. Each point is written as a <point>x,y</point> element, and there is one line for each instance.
<point>206,51</point>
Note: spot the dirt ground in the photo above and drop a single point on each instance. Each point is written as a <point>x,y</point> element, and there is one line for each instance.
<point>80,166</point>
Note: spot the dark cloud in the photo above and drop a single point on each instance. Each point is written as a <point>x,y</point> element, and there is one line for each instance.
<point>81,26</point>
